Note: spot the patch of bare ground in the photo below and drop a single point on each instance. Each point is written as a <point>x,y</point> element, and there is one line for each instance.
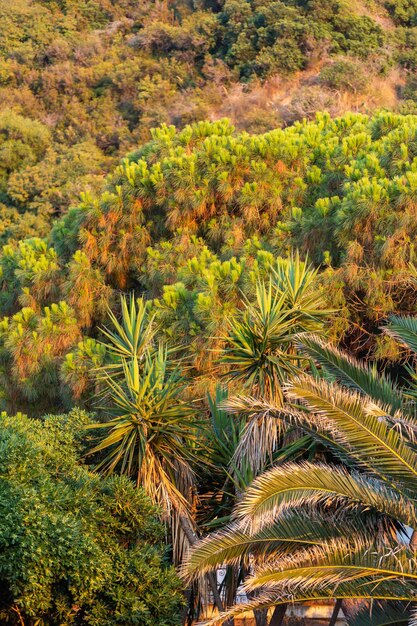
<point>280,100</point>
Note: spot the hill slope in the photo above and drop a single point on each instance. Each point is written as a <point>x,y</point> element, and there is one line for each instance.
<point>87,80</point>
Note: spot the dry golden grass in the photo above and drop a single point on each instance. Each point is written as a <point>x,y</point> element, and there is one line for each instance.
<point>278,101</point>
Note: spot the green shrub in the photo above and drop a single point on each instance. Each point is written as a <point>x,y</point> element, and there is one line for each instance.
<point>344,75</point>
<point>403,12</point>
<point>75,548</point>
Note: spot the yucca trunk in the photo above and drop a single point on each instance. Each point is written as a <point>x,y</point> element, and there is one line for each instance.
<point>188,531</point>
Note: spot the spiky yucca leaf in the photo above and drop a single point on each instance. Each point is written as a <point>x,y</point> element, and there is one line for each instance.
<point>360,427</point>
<point>151,426</point>
<point>256,350</point>
<point>302,485</point>
<point>350,372</point>
<point>297,281</point>
<point>134,334</point>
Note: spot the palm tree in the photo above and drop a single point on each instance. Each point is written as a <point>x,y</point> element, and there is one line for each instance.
<point>331,528</point>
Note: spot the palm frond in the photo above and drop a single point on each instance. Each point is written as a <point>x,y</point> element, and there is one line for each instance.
<point>403,328</point>
<point>360,427</point>
<point>234,543</point>
<point>340,566</point>
<point>350,372</point>
<point>270,598</point>
<point>382,614</point>
<point>258,442</point>
<point>319,429</point>
<point>305,485</point>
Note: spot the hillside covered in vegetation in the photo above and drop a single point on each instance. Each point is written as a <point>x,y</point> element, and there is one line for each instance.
<point>192,219</point>
<point>83,83</point>
<point>208,310</point>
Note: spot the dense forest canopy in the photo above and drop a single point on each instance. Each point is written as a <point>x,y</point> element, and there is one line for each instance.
<point>192,219</point>
<point>82,83</point>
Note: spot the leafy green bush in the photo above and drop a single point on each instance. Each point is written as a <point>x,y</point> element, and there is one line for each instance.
<point>76,548</point>
<point>344,75</point>
<point>403,12</point>
<point>410,89</point>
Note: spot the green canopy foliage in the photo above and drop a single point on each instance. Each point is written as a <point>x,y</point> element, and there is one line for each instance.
<point>75,547</point>
<point>83,83</point>
<point>195,218</point>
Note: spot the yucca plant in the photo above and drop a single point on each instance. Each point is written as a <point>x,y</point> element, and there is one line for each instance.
<point>132,336</point>
<point>335,528</point>
<point>259,349</point>
<point>150,433</point>
<point>260,352</point>
<point>257,346</point>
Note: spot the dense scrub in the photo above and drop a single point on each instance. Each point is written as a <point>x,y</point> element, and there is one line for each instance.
<point>82,83</point>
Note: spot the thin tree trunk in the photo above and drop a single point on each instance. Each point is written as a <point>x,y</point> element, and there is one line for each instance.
<point>212,581</point>
<point>260,615</point>
<point>351,607</point>
<point>278,615</point>
<point>185,616</point>
<point>335,613</point>
<point>211,577</point>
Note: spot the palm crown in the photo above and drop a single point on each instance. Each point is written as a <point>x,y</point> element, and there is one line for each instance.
<point>334,528</point>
